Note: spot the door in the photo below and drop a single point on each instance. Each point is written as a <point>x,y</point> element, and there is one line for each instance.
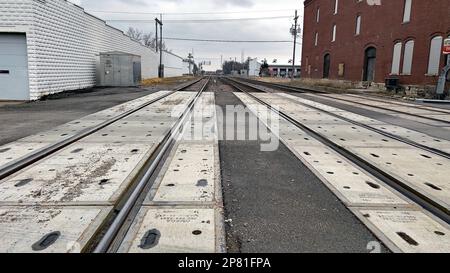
<point>108,77</point>
<point>369,64</point>
<point>13,67</point>
<point>137,73</point>
<point>326,66</point>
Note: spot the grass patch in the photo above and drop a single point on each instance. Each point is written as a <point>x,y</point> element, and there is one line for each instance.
<point>170,80</point>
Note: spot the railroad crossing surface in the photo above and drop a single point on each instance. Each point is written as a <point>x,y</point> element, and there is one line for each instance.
<point>232,165</point>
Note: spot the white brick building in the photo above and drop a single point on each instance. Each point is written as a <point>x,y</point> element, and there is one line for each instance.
<point>50,46</point>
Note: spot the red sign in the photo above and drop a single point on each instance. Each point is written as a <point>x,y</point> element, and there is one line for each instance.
<point>447,46</point>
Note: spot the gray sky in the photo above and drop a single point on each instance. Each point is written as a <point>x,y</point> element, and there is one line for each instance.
<point>268,29</point>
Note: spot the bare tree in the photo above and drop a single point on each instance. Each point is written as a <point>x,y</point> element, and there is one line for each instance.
<point>149,40</point>
<point>135,34</point>
<point>146,39</point>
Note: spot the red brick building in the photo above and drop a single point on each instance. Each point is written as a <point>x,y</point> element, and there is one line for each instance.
<point>371,40</point>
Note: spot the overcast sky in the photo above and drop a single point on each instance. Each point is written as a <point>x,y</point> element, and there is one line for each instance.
<point>268,29</point>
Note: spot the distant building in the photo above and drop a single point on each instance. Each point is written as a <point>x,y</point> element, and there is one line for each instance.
<point>254,67</point>
<point>360,41</point>
<point>284,70</point>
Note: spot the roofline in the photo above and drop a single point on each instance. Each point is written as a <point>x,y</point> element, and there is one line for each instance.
<point>106,24</point>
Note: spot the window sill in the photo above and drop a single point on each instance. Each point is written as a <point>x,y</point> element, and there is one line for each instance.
<point>431,75</point>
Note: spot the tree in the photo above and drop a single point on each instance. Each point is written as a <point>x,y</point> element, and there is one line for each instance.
<point>264,71</point>
<point>135,34</point>
<point>145,39</point>
<point>229,66</point>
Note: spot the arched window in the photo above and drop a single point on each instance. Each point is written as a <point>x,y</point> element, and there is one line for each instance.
<point>336,6</point>
<point>396,59</point>
<point>435,55</point>
<point>407,11</point>
<point>358,24</point>
<point>408,57</point>
<point>326,65</point>
<point>333,36</point>
<point>369,64</point>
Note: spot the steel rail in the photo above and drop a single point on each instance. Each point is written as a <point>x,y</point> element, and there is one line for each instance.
<point>381,132</point>
<point>423,107</point>
<point>119,220</point>
<point>33,157</point>
<point>422,200</point>
<point>284,87</point>
<point>305,90</point>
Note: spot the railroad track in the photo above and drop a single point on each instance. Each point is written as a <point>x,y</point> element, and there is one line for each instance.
<point>435,207</point>
<point>108,215</point>
<point>32,157</point>
<point>131,203</point>
<point>353,100</point>
<point>376,130</point>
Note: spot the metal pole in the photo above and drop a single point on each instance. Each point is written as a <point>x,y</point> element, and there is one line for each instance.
<point>161,47</point>
<point>295,44</point>
<point>156,38</point>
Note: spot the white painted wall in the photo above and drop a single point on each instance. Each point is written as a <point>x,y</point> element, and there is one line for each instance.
<point>254,68</point>
<point>173,65</point>
<point>64,42</point>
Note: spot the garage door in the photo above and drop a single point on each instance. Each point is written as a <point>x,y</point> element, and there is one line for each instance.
<point>13,67</point>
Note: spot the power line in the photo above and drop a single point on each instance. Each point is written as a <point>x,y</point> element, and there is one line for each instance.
<point>200,20</point>
<point>189,13</point>
<point>228,41</point>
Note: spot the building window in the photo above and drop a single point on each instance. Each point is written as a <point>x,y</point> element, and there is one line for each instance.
<point>334,33</point>
<point>316,39</point>
<point>358,24</point>
<point>435,55</point>
<point>318,15</point>
<point>407,11</point>
<point>408,58</point>
<point>396,59</point>
<point>336,5</point>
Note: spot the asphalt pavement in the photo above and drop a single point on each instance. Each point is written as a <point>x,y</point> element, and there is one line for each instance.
<point>274,203</point>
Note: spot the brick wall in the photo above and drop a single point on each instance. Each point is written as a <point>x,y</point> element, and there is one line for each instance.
<point>381,28</point>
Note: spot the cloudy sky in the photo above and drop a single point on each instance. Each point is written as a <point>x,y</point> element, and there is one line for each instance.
<point>270,28</point>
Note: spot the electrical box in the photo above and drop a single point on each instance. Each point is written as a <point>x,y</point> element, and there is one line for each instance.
<point>119,69</point>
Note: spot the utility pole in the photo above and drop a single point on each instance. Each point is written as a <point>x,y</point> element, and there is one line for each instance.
<point>190,60</point>
<point>161,65</point>
<point>294,31</point>
<point>156,38</point>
